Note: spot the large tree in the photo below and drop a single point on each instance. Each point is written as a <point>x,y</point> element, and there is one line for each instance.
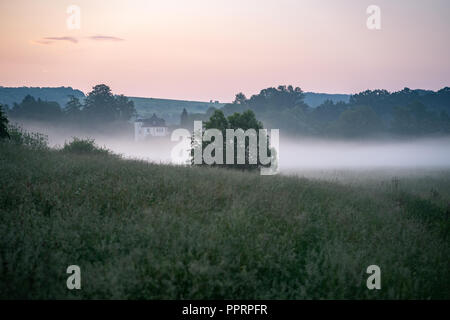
<point>33,109</point>
<point>124,108</point>
<point>184,119</point>
<point>244,121</point>
<point>102,105</point>
<point>73,109</point>
<point>358,121</point>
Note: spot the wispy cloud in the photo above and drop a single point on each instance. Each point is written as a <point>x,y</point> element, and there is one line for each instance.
<point>105,38</point>
<point>70,39</point>
<point>42,41</point>
<point>50,40</point>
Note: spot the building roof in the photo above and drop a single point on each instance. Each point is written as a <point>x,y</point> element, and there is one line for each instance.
<point>154,121</point>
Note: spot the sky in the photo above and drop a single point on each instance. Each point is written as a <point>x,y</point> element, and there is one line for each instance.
<point>213,49</point>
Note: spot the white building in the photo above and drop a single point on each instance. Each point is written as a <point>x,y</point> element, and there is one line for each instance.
<point>152,127</point>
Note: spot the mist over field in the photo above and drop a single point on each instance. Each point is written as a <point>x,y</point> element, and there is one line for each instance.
<point>297,155</point>
<point>345,154</point>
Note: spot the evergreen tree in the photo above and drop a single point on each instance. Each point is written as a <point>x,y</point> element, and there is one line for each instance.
<point>3,124</point>
<point>184,119</point>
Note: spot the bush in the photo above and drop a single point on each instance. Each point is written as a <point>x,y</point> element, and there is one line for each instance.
<point>22,137</point>
<point>84,146</point>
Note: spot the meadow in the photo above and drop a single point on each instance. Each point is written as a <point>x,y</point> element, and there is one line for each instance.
<point>145,231</point>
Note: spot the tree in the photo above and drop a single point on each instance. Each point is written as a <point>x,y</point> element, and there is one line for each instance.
<point>415,119</point>
<point>3,124</point>
<point>280,98</point>
<point>217,121</point>
<point>184,119</point>
<point>100,104</point>
<point>240,98</point>
<point>33,109</point>
<point>244,121</point>
<point>73,109</point>
<point>124,108</point>
<point>357,122</point>
<point>327,112</point>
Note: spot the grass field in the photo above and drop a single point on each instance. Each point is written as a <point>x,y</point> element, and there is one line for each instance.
<point>144,231</point>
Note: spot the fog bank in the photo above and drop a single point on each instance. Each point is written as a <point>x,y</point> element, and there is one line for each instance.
<point>295,154</point>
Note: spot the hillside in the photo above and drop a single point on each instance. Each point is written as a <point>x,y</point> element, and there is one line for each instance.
<point>9,95</point>
<point>144,231</point>
<point>169,109</point>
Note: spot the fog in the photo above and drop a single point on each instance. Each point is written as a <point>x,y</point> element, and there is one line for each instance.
<point>296,155</point>
<point>323,154</point>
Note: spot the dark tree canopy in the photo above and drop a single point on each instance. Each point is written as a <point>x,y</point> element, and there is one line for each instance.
<point>124,108</point>
<point>246,120</point>
<point>99,107</point>
<point>368,113</point>
<point>3,124</point>
<point>100,104</point>
<point>73,109</point>
<point>184,119</point>
<point>33,109</point>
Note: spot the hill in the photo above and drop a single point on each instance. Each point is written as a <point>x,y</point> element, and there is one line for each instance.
<point>145,231</point>
<point>169,109</point>
<point>9,95</point>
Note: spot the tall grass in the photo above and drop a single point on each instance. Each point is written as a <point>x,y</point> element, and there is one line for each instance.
<point>33,140</point>
<point>144,231</point>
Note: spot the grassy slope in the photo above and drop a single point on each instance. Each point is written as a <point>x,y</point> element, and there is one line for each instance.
<point>139,230</point>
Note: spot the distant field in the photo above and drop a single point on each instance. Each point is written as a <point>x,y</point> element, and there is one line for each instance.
<point>146,231</point>
<point>170,110</point>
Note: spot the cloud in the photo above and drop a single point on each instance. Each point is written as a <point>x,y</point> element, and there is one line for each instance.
<point>42,41</point>
<point>50,40</point>
<point>70,39</point>
<point>105,38</point>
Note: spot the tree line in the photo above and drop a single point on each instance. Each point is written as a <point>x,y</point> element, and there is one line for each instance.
<point>100,106</point>
<point>367,114</point>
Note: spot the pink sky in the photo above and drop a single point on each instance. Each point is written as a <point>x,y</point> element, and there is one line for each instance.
<point>212,49</point>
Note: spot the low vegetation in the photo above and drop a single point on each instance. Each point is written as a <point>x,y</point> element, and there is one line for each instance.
<point>84,146</point>
<point>144,231</point>
<point>22,137</point>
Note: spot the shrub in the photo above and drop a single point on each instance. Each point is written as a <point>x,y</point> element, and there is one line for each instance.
<point>84,146</point>
<point>22,137</point>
